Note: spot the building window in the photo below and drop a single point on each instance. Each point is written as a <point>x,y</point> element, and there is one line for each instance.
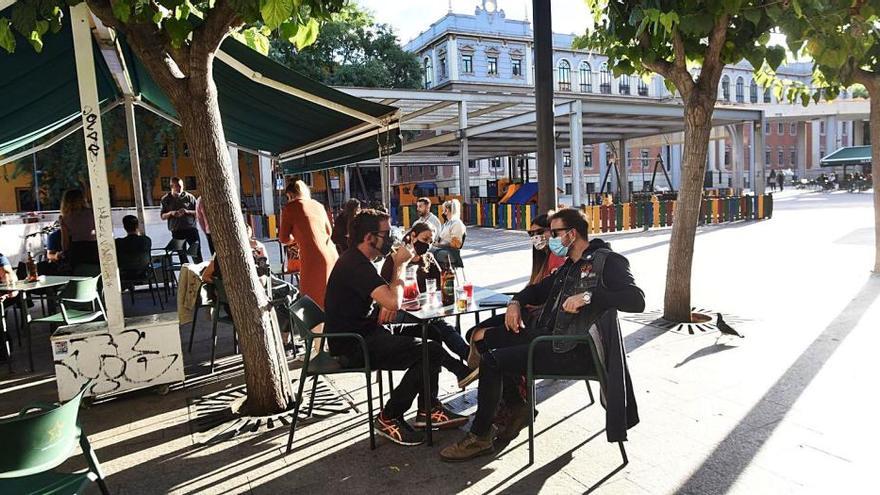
<point>822,127</point>
<point>793,154</point>
<point>767,97</point>
<point>727,155</point>
<point>467,64</point>
<point>821,152</point>
<point>566,159</point>
<point>442,67</point>
<point>586,77</point>
<point>644,159</point>
<point>429,72</point>
<point>740,90</point>
<point>780,129</point>
<point>767,156</point>
<point>766,128</point>
<point>643,86</point>
<point>725,88</point>
<point>475,191</point>
<point>623,85</point>
<point>189,182</point>
<point>516,65</point>
<point>493,65</point>
<point>792,129</point>
<point>588,159</point>
<point>604,79</point>
<point>568,188</point>
<point>780,156</point>
<point>472,164</point>
<point>564,75</point>
<point>495,163</point>
<point>753,92</point>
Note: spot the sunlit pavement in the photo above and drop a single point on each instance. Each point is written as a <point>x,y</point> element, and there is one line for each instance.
<point>789,408</point>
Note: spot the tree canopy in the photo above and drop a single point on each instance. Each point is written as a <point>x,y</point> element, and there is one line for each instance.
<point>353,50</point>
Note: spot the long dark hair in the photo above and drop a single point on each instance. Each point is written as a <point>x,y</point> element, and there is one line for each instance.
<point>415,231</point>
<point>540,257</point>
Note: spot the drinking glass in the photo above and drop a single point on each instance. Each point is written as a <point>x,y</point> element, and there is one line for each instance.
<point>431,285</point>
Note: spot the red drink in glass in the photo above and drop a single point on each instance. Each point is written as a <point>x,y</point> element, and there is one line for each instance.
<point>469,290</point>
<point>411,291</point>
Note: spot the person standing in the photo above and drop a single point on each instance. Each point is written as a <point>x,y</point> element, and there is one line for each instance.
<point>780,181</point>
<point>78,238</point>
<point>423,208</point>
<point>304,221</point>
<point>772,180</point>
<point>202,219</point>
<point>179,209</point>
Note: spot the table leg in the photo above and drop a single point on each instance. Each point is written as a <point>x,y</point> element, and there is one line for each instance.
<point>26,326</point>
<point>426,377</point>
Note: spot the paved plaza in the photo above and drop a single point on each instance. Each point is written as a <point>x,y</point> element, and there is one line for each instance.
<point>780,411</point>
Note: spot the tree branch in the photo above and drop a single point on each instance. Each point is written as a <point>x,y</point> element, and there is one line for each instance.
<point>219,21</point>
<point>678,49</point>
<point>712,65</point>
<point>867,79</point>
<point>674,71</point>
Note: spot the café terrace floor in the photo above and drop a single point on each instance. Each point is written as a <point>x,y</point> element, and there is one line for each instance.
<point>787,409</point>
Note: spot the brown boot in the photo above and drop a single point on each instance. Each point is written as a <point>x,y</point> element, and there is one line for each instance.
<point>469,447</point>
<point>518,416</point>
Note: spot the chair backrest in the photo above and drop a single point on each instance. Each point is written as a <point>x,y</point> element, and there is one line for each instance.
<point>38,442</point>
<point>175,245</point>
<point>81,290</point>
<point>133,261</point>
<point>306,316</point>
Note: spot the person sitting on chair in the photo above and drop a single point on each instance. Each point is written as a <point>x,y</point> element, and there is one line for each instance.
<point>353,289</point>
<point>133,244</point>
<point>452,232</point>
<point>573,298</point>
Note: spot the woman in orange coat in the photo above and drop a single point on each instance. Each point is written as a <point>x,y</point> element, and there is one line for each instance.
<point>304,221</point>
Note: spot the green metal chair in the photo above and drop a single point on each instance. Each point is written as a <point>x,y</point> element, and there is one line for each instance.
<point>531,376</point>
<point>40,439</point>
<point>75,296</point>
<point>306,315</point>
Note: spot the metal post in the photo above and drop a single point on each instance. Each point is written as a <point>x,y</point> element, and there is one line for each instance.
<point>36,183</point>
<point>97,165</point>
<point>463,171</point>
<point>136,184</point>
<point>758,136</point>
<point>544,104</point>
<point>576,132</point>
<point>267,184</point>
<point>385,177</point>
<point>346,185</point>
<point>623,171</point>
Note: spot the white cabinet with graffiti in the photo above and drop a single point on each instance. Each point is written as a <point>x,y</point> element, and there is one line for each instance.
<point>143,354</point>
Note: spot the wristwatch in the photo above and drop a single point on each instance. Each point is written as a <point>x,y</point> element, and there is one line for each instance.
<point>587,297</point>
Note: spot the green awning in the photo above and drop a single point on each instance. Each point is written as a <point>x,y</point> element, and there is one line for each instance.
<point>316,127</point>
<point>849,155</point>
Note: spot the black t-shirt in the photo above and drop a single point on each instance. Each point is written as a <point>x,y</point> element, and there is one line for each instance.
<point>348,304</point>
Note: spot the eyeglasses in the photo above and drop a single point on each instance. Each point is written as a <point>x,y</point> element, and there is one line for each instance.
<point>381,233</point>
<point>535,232</point>
<point>556,232</point>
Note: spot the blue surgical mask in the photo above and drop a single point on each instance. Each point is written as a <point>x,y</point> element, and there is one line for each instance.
<point>557,247</point>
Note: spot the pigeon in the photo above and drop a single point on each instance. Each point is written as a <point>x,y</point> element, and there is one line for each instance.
<point>726,329</point>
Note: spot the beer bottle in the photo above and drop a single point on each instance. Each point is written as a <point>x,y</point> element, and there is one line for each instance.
<point>447,282</point>
<point>31,265</point>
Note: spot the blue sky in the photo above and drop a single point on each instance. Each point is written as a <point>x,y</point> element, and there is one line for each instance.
<point>410,17</point>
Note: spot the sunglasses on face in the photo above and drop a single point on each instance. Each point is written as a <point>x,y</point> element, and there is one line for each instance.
<point>557,232</point>
<point>535,232</point>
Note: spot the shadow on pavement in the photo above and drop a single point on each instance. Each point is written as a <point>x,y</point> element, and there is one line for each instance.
<point>732,456</point>
<point>706,351</point>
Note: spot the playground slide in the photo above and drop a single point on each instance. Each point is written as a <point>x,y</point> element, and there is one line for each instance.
<point>511,189</point>
<point>528,192</point>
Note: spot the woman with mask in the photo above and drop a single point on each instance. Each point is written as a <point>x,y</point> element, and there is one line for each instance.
<point>452,232</point>
<point>420,237</point>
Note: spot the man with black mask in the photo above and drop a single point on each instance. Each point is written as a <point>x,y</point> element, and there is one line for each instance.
<point>352,290</point>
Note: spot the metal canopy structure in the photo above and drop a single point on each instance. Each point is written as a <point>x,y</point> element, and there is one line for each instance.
<point>504,123</point>
<point>848,156</point>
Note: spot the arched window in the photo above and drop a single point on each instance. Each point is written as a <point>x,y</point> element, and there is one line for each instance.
<point>585,74</point>
<point>429,72</point>
<point>564,75</point>
<point>767,97</point>
<point>753,92</point>
<point>725,88</point>
<point>643,86</point>
<point>604,79</point>
<point>740,90</point>
<point>623,85</point>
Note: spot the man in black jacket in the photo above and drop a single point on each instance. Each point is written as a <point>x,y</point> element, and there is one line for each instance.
<point>592,280</point>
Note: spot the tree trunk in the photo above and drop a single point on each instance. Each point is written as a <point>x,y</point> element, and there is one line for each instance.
<point>265,365</point>
<point>697,129</point>
<point>875,165</point>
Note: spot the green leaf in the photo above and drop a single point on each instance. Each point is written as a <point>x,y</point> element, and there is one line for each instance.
<point>307,34</point>
<point>288,30</point>
<point>275,12</point>
<point>752,15</point>
<point>182,11</point>
<point>7,38</point>
<point>36,41</point>
<point>121,10</point>
<point>775,56</point>
<point>178,30</point>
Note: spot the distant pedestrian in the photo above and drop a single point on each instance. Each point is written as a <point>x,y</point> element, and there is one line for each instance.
<point>772,180</point>
<point>179,209</point>
<point>780,181</point>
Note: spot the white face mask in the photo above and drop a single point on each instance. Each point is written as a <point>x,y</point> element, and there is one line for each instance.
<point>539,242</point>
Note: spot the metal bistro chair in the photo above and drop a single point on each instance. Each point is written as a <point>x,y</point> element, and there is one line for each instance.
<point>168,266</point>
<point>38,440</point>
<point>220,300</point>
<point>306,315</point>
<point>138,269</point>
<point>531,376</point>
<point>75,295</point>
